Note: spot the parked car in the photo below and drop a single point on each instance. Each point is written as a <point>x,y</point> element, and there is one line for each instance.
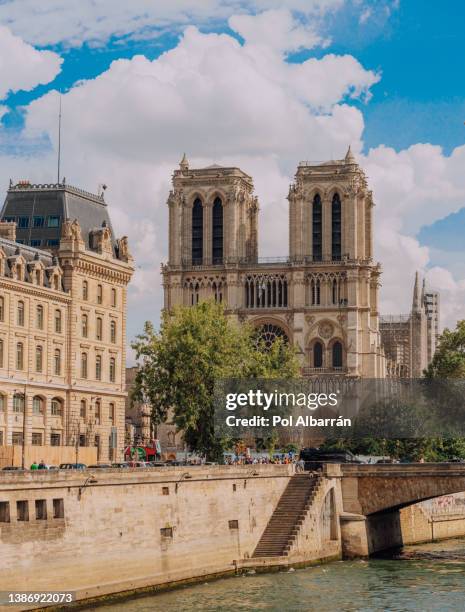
<point>73,466</point>
<point>99,466</point>
<point>122,464</point>
<point>13,468</point>
<point>138,464</point>
<point>156,464</point>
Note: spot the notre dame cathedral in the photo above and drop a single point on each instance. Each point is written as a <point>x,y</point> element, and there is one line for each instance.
<point>323,297</point>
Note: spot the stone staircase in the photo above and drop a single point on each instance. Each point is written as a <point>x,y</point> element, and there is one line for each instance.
<point>285,522</point>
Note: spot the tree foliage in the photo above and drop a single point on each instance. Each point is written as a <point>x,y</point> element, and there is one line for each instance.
<point>179,365</point>
<point>449,359</point>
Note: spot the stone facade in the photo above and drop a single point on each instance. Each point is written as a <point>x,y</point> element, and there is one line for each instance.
<point>323,297</point>
<point>410,341</point>
<point>63,338</point>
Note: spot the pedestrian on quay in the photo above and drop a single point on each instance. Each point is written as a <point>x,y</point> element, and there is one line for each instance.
<point>42,465</point>
<point>34,466</point>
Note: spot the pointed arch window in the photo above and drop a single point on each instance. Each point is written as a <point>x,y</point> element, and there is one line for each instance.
<point>337,355</point>
<point>197,232</point>
<point>336,234</point>
<point>317,228</point>
<point>315,288</point>
<point>217,233</point>
<point>318,354</point>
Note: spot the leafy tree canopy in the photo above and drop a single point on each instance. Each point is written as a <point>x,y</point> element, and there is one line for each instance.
<point>196,347</point>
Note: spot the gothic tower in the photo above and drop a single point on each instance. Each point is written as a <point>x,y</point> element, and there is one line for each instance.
<point>323,298</point>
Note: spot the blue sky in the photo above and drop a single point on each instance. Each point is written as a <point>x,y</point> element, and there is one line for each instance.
<point>403,59</point>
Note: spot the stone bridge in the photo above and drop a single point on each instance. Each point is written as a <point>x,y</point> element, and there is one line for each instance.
<point>373,496</point>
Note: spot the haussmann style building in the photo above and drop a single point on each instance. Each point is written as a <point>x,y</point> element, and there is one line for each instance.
<point>63,284</point>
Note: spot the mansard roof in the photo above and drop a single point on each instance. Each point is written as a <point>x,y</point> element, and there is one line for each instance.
<point>13,250</point>
<point>56,201</point>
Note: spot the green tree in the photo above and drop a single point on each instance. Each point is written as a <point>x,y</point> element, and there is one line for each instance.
<point>179,365</point>
<point>449,359</point>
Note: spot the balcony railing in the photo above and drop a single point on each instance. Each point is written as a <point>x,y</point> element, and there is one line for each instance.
<point>325,259</point>
<point>308,371</point>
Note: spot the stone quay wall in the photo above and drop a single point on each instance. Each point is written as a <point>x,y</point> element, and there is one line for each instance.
<point>109,531</point>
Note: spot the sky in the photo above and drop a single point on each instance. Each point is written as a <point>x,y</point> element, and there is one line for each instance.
<point>259,84</point>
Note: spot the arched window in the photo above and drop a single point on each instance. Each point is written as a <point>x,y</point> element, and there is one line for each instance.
<point>37,405</point>
<point>85,325</point>
<point>20,314</point>
<point>336,233</point>
<point>317,228</point>
<point>40,316</point>
<point>315,288</point>
<point>84,365</point>
<point>337,355</point>
<point>57,407</point>
<point>85,290</point>
<point>2,308</point>
<point>197,232</point>
<point>83,409</point>
<point>112,369</point>
<point>318,355</point>
<point>98,367</point>
<point>113,332</point>
<point>98,333</point>
<point>113,298</point>
<point>111,413</point>
<point>39,358</point>
<point>58,321</point>
<point>57,362</point>
<point>268,333</point>
<point>99,294</point>
<point>217,233</point>
<point>1,353</point>
<point>335,291</point>
<point>19,356</point>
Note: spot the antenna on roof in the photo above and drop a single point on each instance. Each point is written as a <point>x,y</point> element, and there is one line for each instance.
<point>59,142</point>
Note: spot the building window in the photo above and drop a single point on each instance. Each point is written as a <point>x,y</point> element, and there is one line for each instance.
<point>113,298</point>
<point>39,358</point>
<point>23,222</point>
<point>217,231</point>
<point>18,402</point>
<point>57,407</point>
<point>36,243</point>
<point>38,222</point>
<point>337,355</point>
<point>20,356</point>
<point>317,228</point>
<point>111,413</point>
<point>2,403</point>
<point>58,321</point>
<point>41,508</point>
<point>36,439</point>
<point>37,405</point>
<point>4,512</point>
<point>56,282</point>
<point>17,438</point>
<point>99,294</point>
<point>98,367</point>
<point>112,369</point>
<point>84,365</point>
<point>315,288</point>
<point>22,510</point>
<point>85,326</point>
<point>85,290</point>
<point>2,308</point>
<point>317,355</point>
<point>82,440</point>
<point>20,314</point>
<point>113,332</point>
<point>53,242</point>
<point>98,414</point>
<point>1,353</point>
<point>55,439</point>
<point>336,234</point>
<point>53,221</point>
<point>197,232</point>
<point>83,409</point>
<point>57,362</point>
<point>98,332</point>
<point>40,317</point>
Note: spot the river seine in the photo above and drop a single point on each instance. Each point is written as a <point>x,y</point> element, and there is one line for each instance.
<point>426,578</point>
